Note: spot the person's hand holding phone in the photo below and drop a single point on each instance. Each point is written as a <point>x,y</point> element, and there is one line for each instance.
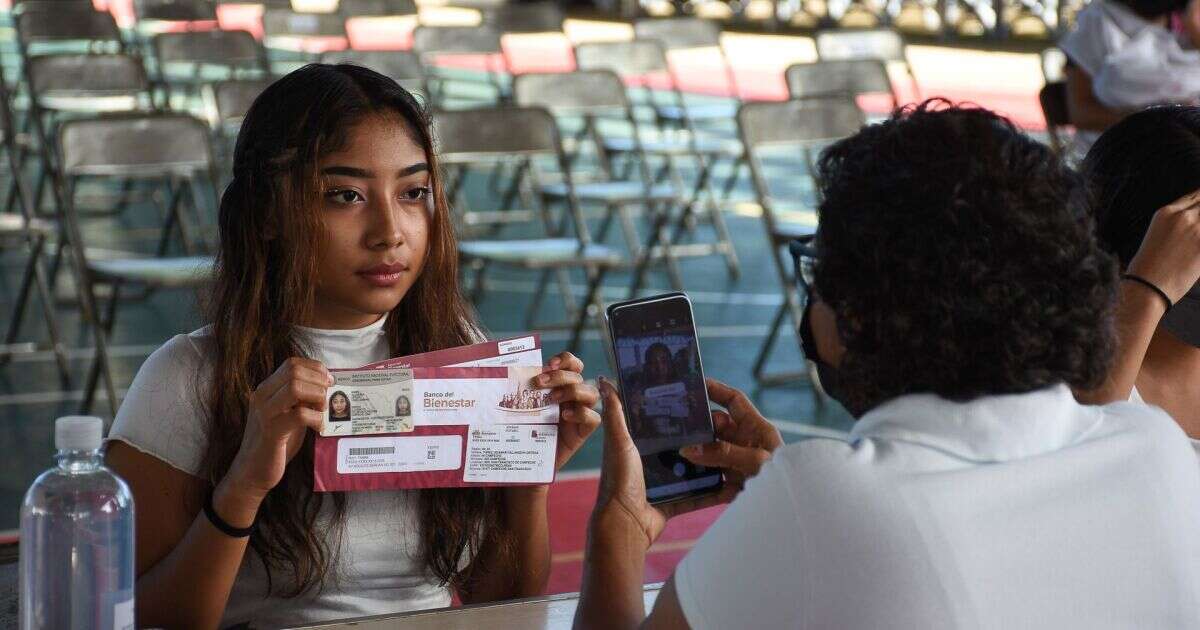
<point>621,505</point>
<point>745,439</point>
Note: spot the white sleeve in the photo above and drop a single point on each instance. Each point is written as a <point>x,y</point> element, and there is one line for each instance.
<point>1091,41</point>
<point>163,413</point>
<point>1151,68</point>
<point>732,577</point>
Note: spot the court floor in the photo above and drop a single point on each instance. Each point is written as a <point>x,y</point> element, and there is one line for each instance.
<point>733,313</point>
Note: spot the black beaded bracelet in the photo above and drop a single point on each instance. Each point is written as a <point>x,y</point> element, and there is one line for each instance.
<point>219,523</point>
<point>1149,285</point>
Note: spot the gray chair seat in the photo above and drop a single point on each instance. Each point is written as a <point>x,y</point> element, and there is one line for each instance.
<point>678,146</point>
<point>714,111</point>
<point>792,231</point>
<point>14,224</point>
<point>541,252</point>
<point>166,272</point>
<point>613,192</point>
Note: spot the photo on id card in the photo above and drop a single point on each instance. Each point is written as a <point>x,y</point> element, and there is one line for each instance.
<point>373,401</point>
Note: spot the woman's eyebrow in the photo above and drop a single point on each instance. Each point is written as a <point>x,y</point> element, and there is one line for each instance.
<point>362,173</point>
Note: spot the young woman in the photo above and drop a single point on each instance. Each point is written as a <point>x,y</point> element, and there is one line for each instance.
<point>339,407</point>
<point>1145,177</point>
<point>336,251</point>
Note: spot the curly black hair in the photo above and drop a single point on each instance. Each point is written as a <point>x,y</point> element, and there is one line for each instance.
<point>958,260</point>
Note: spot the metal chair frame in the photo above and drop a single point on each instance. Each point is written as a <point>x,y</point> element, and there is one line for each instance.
<point>807,123</point>
<point>179,173</point>
<point>489,136</point>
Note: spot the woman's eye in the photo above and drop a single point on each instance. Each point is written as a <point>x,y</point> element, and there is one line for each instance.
<point>419,193</point>
<point>343,196</point>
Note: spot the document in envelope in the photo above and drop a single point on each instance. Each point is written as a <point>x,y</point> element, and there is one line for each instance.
<point>476,421</point>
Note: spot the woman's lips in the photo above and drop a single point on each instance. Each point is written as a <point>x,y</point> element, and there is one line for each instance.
<point>383,275</point>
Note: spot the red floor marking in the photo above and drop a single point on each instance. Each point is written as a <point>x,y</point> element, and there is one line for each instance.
<point>570,507</point>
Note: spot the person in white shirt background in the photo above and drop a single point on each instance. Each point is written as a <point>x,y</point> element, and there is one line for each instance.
<point>1144,175</point>
<point>337,250</point>
<point>959,294</point>
<point>1124,55</point>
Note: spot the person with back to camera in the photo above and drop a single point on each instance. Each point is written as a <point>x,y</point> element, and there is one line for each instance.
<point>1124,55</point>
<point>959,295</point>
<point>337,250</point>
<point>1144,175</point>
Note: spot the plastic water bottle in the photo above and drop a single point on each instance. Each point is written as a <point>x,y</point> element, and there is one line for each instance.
<point>77,569</point>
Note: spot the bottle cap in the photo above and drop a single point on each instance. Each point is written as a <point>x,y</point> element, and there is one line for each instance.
<point>78,433</point>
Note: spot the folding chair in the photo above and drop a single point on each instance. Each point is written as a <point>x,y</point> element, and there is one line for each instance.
<point>635,61</point>
<point>225,105</point>
<point>305,35</point>
<point>157,16</point>
<point>168,148</point>
<point>849,77</point>
<point>545,16</point>
<point>79,84</point>
<point>596,95</point>
<point>376,8</point>
<point>435,45</point>
<point>23,229</point>
<point>678,34</point>
<point>499,135</point>
<point>808,124</point>
<point>401,66</point>
<point>49,27</point>
<point>187,60</point>
<point>883,44</point>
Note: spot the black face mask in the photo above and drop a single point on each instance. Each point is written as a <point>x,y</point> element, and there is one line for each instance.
<point>826,373</point>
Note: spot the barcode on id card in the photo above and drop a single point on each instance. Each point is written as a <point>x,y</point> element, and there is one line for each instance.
<point>378,450</point>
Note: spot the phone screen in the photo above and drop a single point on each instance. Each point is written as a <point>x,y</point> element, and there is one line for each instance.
<point>662,384</point>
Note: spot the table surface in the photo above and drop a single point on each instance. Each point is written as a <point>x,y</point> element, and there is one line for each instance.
<point>536,613</point>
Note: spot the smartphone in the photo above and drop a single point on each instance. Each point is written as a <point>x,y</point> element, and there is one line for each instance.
<point>656,355</point>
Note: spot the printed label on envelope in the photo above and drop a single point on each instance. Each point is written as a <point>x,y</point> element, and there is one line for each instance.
<point>369,401</point>
<point>511,453</point>
<point>399,454</point>
<point>452,396</point>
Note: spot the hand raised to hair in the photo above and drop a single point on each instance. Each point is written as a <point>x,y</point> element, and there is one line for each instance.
<point>1169,256</point>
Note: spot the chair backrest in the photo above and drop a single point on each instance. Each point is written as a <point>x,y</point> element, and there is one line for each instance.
<point>400,65</point>
<point>884,44</point>
<point>633,58</point>
<point>141,144</point>
<point>215,47</point>
<point>797,121</point>
<point>545,16</point>
<point>1054,63</point>
<point>38,23</point>
<point>288,23</point>
<point>82,75</point>
<point>494,133</point>
<point>175,10</point>
<point>580,92</point>
<point>455,40</point>
<point>678,33</point>
<point>849,77</point>
<point>376,8</point>
<point>228,101</point>
<point>24,5</point>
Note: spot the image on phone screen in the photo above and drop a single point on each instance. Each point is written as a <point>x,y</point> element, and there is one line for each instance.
<point>662,383</point>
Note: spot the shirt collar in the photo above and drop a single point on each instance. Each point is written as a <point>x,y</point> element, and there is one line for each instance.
<point>986,429</point>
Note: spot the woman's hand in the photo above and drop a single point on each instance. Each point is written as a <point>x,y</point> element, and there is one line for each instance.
<point>745,439</point>
<point>282,410</point>
<point>621,504</point>
<point>1169,256</point>
<point>575,402</point>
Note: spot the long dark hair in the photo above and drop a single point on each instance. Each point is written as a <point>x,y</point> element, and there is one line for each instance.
<point>1139,165</point>
<point>270,233</point>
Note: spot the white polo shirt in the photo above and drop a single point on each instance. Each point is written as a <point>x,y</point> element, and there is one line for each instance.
<point>1019,511</point>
